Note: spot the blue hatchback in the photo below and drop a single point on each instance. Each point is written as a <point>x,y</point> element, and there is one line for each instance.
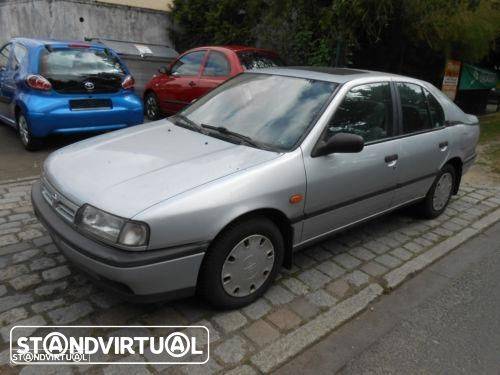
<point>59,87</point>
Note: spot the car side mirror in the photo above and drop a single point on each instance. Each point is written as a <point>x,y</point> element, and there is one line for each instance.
<point>339,143</point>
<point>164,70</point>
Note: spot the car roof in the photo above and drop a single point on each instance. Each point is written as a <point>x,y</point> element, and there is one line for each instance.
<point>329,74</point>
<point>233,48</point>
<point>34,42</point>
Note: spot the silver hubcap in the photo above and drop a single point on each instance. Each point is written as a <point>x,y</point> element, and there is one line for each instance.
<point>151,107</point>
<point>23,130</point>
<point>442,191</point>
<point>248,266</point>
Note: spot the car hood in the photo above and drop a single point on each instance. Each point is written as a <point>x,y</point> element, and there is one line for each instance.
<point>128,171</point>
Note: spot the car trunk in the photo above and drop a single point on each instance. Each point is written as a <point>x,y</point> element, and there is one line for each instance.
<point>82,70</point>
<point>85,84</point>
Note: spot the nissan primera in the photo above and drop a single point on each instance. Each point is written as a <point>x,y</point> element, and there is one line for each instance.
<point>215,199</point>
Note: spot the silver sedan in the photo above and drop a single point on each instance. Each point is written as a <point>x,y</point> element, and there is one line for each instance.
<point>217,198</point>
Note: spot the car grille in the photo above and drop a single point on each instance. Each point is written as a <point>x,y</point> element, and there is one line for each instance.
<point>63,206</point>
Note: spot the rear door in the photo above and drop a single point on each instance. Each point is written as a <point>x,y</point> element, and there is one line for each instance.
<point>4,66</point>
<point>216,70</point>
<point>181,86</point>
<point>18,54</point>
<point>424,141</point>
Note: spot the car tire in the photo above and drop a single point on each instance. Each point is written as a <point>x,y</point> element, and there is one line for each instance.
<point>438,196</point>
<point>230,279</point>
<point>29,142</point>
<point>152,107</point>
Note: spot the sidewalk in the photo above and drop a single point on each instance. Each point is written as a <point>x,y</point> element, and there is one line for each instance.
<point>329,284</point>
<point>445,320</point>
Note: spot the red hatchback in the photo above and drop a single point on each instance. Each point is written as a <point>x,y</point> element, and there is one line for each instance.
<point>198,71</point>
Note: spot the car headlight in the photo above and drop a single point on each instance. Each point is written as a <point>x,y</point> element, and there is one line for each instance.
<point>111,228</point>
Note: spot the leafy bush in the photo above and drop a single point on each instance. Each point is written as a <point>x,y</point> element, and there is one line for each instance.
<point>327,32</point>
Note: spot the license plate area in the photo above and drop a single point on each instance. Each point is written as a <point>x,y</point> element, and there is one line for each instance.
<point>90,104</point>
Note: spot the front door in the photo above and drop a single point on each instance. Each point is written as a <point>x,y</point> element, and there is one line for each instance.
<point>424,145</point>
<point>4,66</point>
<point>345,188</point>
<point>179,88</point>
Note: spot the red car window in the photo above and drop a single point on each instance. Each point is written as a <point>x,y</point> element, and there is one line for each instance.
<point>217,65</point>
<point>258,60</point>
<point>189,64</point>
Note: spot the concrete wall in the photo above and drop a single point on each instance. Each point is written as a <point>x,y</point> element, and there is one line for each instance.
<point>76,19</point>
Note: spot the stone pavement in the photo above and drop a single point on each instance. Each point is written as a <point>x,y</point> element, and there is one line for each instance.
<point>328,285</point>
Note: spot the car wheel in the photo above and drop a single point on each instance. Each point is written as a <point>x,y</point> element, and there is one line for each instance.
<point>29,142</point>
<point>241,263</point>
<point>439,194</point>
<point>152,107</point>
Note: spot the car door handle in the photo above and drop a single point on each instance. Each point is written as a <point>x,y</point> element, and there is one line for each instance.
<point>192,83</point>
<point>391,160</point>
<point>443,146</point>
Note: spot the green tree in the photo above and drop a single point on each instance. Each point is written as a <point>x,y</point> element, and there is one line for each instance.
<point>464,29</point>
<point>202,22</point>
<point>323,32</point>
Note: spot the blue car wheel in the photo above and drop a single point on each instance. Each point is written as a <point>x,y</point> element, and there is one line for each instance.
<point>29,142</point>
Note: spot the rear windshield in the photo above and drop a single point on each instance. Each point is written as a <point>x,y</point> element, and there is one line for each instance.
<point>258,60</point>
<point>79,62</point>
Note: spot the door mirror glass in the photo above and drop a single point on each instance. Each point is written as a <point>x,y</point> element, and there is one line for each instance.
<point>164,70</point>
<point>339,143</point>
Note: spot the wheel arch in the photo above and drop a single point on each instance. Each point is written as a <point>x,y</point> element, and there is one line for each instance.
<point>20,106</point>
<point>457,164</point>
<point>278,218</point>
<point>149,90</point>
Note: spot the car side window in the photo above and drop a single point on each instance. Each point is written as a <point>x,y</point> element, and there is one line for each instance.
<point>4,56</point>
<point>366,111</point>
<point>435,109</point>
<point>18,54</point>
<point>216,65</point>
<point>188,65</point>
<point>414,108</point>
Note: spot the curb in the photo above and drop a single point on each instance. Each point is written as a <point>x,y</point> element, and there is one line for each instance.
<point>284,349</point>
<point>290,345</point>
<point>399,275</point>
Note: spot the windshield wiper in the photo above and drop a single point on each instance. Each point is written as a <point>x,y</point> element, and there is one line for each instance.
<point>226,131</point>
<point>186,122</point>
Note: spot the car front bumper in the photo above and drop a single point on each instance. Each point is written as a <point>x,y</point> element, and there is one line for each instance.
<point>143,276</point>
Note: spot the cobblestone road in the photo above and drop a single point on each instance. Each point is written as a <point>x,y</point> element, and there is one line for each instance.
<point>328,284</point>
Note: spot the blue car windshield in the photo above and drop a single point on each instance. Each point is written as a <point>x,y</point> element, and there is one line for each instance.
<point>272,110</point>
<point>80,62</point>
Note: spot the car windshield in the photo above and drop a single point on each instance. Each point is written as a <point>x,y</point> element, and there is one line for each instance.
<point>79,62</point>
<point>271,110</point>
